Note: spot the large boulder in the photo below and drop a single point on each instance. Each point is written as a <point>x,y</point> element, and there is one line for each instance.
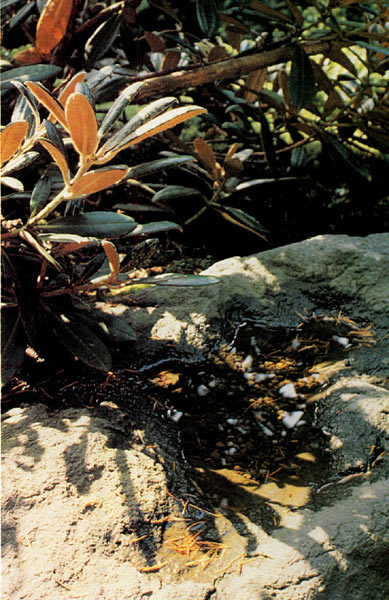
<point>327,273</point>
<point>81,485</point>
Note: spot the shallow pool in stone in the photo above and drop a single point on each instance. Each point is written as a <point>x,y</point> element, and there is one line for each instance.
<point>253,466</point>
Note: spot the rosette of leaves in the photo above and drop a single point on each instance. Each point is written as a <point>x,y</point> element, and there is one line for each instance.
<point>54,262</point>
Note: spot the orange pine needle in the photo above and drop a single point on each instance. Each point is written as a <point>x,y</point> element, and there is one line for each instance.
<point>153,568</point>
<point>139,539</point>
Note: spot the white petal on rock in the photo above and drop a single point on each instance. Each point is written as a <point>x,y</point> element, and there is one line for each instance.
<point>174,415</point>
<point>266,430</point>
<point>296,343</point>
<point>287,391</point>
<point>202,390</point>
<point>232,421</point>
<point>247,362</point>
<point>291,419</point>
<point>232,450</point>
<point>343,341</point>
<point>212,383</point>
<point>262,376</point>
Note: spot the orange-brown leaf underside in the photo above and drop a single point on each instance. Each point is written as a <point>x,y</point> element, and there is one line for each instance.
<point>52,105</point>
<point>82,124</point>
<point>52,24</point>
<point>205,153</point>
<point>95,181</point>
<point>11,138</point>
<point>70,87</point>
<point>58,157</point>
<point>29,56</point>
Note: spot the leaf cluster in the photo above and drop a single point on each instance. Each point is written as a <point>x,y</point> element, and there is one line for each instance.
<point>54,257</point>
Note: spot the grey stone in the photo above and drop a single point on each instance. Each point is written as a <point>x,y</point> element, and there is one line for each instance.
<point>336,553</point>
<point>77,489</point>
<point>354,415</point>
<point>329,273</point>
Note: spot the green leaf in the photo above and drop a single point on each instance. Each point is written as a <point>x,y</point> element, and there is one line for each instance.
<point>168,119</point>
<point>30,239</point>
<point>145,114</point>
<point>13,183</point>
<point>98,224</point>
<point>97,270</point>
<point>81,341</point>
<point>242,219</point>
<point>126,97</point>
<point>156,227</point>
<point>149,168</point>
<point>179,280</point>
<point>172,192</point>
<point>93,267</point>
<point>350,157</point>
<point>374,47</point>
<point>13,343</point>
<point>302,79</point>
<point>267,141</point>
<point>269,11</point>
<point>207,16</point>
<point>25,159</point>
<point>25,106</point>
<point>55,137</point>
<point>139,208</point>
<point>6,3</point>
<point>111,328</point>
<point>84,89</point>
<point>255,182</point>
<point>67,238</point>
<point>273,97</point>
<point>27,73</point>
<point>17,196</point>
<point>40,195</point>
<point>21,15</point>
<point>102,39</point>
